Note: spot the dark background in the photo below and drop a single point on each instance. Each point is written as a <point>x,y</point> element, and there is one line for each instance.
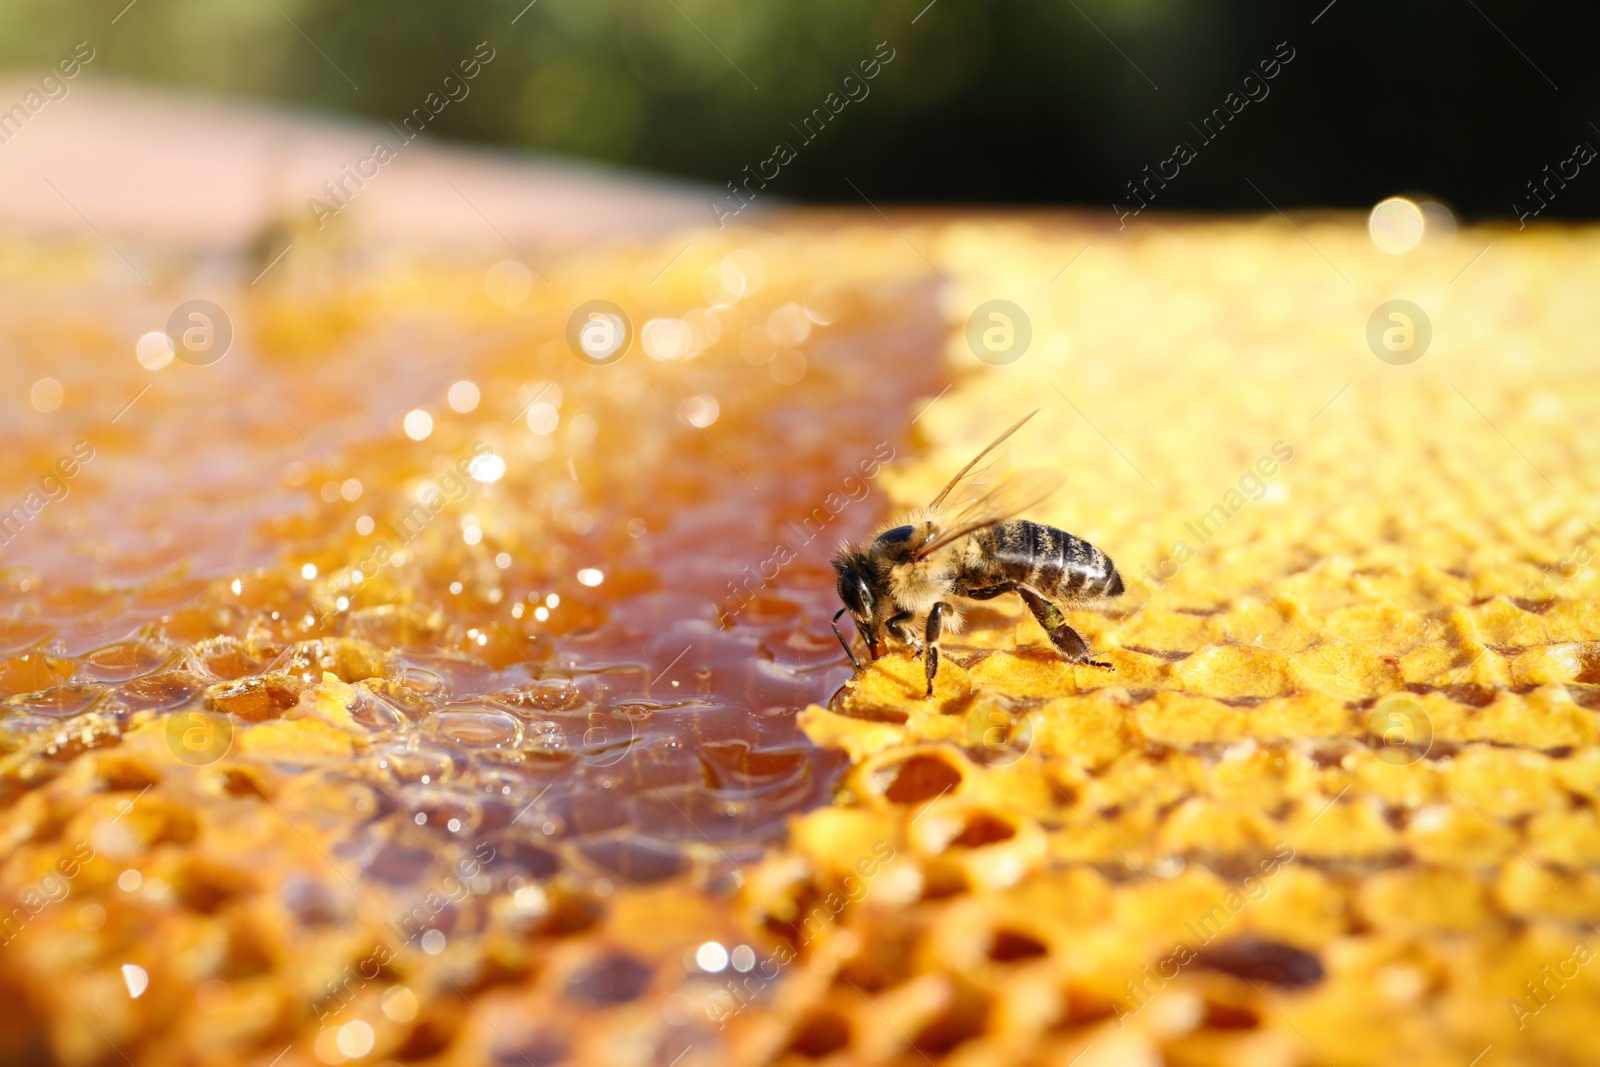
<point>1033,101</point>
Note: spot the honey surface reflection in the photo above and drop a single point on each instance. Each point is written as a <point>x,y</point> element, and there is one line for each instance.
<point>298,660</point>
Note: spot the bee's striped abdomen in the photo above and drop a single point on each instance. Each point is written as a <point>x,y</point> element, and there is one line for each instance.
<point>1051,561</point>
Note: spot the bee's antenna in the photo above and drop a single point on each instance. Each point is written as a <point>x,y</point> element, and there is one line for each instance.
<point>843,643</point>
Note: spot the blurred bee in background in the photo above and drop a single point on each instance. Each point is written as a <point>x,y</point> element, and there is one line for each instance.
<point>968,543</point>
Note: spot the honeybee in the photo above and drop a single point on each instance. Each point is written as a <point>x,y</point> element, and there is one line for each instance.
<point>968,543</point>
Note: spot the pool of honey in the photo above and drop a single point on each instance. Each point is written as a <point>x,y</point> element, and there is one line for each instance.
<point>304,685</point>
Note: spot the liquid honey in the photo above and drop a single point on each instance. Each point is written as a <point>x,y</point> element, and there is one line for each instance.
<point>292,669</point>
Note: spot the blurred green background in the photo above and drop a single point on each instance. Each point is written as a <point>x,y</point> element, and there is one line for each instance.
<point>1050,101</point>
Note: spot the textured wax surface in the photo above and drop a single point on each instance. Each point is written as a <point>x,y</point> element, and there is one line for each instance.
<point>1336,803</point>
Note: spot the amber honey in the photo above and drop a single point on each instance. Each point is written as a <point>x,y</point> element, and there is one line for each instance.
<point>297,679</point>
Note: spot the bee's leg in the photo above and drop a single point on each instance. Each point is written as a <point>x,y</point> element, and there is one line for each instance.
<point>846,645</point>
<point>931,657</point>
<point>896,625</point>
<point>990,592</point>
<point>1067,640</point>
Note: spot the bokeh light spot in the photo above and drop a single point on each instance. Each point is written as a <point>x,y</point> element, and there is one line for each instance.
<point>154,350</point>
<point>711,957</point>
<point>418,424</point>
<point>1395,225</point>
<point>45,395</point>
<point>463,396</point>
<point>508,283</point>
<point>487,468</point>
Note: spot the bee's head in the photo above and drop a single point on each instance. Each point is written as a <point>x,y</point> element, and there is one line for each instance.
<point>854,589</point>
<point>855,592</point>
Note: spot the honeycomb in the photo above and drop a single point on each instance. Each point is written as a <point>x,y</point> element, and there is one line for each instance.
<point>573,770</point>
<point>1334,805</point>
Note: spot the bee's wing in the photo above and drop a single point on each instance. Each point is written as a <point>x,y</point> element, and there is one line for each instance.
<point>1018,492</point>
<point>978,478</point>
